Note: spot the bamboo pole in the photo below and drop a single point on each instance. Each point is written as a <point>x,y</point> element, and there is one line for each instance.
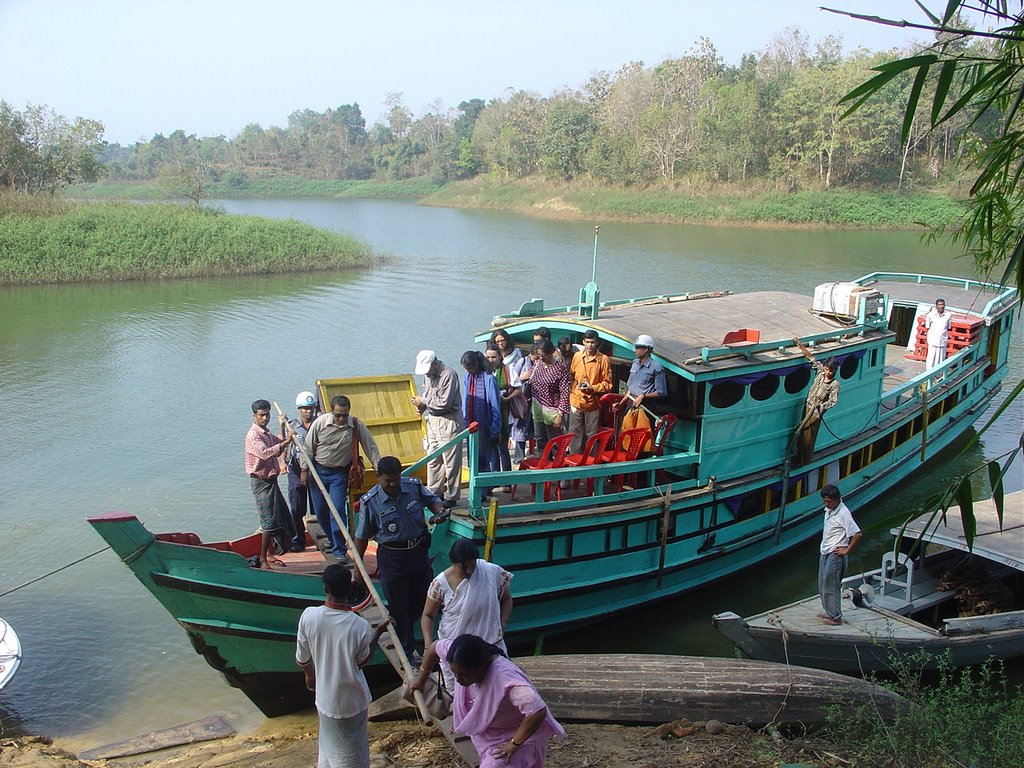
<point>492,527</point>
<point>665,520</point>
<point>421,704</point>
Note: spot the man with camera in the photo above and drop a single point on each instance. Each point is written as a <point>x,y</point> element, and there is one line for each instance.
<point>591,378</point>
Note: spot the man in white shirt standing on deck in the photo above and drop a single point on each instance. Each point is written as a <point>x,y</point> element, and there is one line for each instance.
<point>937,322</point>
<point>838,538</point>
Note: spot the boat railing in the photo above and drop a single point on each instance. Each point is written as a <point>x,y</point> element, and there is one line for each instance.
<point>415,467</point>
<point>644,471</point>
<point>708,354</point>
<point>908,395</point>
<point>536,308</point>
<point>1003,298</point>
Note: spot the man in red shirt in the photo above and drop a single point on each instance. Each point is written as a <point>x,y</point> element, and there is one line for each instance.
<point>263,451</point>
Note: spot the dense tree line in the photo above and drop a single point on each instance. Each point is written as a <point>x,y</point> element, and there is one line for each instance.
<point>772,120</point>
<point>41,151</point>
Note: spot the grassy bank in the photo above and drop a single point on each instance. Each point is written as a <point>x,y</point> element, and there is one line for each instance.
<point>240,185</point>
<point>837,208</point>
<point>43,240</point>
<point>811,208</point>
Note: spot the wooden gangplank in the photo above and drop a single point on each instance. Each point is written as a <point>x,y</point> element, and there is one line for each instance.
<point>375,611</point>
<point>460,743</point>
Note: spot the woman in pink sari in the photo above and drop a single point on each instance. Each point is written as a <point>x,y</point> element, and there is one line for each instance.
<point>494,703</point>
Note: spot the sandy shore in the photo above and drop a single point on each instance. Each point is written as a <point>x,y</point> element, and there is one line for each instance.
<point>290,742</point>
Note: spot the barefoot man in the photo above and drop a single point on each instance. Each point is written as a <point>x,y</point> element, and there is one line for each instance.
<point>263,451</point>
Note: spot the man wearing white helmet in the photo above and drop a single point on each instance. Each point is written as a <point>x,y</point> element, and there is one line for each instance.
<point>298,491</point>
<point>646,376</point>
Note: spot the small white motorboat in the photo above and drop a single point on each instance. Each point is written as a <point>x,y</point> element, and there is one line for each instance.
<point>10,653</point>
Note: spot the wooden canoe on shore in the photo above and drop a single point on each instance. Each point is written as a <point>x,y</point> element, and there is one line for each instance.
<point>653,688</point>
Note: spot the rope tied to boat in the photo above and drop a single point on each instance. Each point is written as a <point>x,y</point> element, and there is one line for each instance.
<point>51,573</point>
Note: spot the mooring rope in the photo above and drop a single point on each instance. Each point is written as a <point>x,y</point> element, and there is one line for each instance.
<point>55,570</point>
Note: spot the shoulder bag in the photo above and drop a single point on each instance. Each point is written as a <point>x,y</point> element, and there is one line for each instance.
<point>357,469</point>
<point>517,405</point>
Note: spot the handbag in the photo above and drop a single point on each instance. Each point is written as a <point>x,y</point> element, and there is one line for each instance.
<point>436,696</point>
<point>517,405</point>
<point>637,418</point>
<point>357,469</point>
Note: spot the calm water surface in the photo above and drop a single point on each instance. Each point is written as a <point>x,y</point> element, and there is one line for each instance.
<point>135,397</point>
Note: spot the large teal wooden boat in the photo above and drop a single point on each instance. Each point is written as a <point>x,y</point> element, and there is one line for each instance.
<point>722,496</point>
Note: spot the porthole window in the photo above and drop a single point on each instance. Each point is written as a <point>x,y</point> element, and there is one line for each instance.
<point>725,394</point>
<point>849,367</point>
<point>764,387</point>
<point>797,380</point>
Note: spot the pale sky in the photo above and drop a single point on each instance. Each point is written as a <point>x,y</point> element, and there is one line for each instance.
<point>211,67</point>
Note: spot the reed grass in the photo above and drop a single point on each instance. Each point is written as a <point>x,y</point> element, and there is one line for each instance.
<point>126,241</point>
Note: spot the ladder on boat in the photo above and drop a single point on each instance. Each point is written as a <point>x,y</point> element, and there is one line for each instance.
<point>373,614</point>
<point>461,743</point>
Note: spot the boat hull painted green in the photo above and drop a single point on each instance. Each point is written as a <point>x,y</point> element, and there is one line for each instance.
<point>674,528</point>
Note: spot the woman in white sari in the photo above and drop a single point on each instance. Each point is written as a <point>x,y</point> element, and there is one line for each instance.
<point>473,597</point>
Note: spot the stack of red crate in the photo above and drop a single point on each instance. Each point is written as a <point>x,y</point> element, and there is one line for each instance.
<point>964,330</point>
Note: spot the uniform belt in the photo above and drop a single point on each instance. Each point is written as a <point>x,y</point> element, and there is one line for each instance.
<point>401,545</point>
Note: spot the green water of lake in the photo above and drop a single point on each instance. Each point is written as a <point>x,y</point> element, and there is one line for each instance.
<point>136,397</point>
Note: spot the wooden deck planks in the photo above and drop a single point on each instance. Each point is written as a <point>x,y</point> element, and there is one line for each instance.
<point>871,624</point>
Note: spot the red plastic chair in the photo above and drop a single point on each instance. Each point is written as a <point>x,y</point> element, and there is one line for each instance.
<point>552,458</point>
<point>662,429</point>
<point>609,418</point>
<point>628,447</point>
<point>596,446</point>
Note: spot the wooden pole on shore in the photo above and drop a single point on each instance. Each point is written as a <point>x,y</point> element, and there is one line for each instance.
<point>406,669</point>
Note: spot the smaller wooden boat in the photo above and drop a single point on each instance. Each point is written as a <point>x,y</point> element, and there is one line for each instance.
<point>655,688</point>
<point>10,653</point>
<point>964,602</point>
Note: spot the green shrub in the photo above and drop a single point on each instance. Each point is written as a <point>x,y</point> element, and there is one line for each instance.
<point>127,241</point>
<point>957,717</point>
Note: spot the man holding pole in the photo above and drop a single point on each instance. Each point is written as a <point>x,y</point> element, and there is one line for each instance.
<point>392,513</point>
<point>263,450</point>
<point>330,444</point>
<point>823,395</point>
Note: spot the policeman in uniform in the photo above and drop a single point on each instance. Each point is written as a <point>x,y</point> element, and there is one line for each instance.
<point>392,513</point>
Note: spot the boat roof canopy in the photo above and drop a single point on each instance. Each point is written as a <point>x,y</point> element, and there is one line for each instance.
<point>683,327</point>
<point>1001,544</point>
<point>710,335</point>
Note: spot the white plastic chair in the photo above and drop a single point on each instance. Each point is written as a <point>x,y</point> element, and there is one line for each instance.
<point>891,562</point>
